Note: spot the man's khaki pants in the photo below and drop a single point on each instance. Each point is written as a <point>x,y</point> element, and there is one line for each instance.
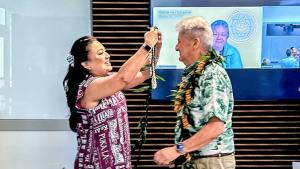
<point>225,162</point>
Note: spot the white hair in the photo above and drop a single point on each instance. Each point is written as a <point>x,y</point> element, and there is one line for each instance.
<point>196,27</point>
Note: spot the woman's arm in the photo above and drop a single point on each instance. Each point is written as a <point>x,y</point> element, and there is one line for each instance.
<point>106,86</point>
<point>144,75</point>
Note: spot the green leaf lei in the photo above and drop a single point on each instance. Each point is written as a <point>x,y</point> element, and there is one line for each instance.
<point>185,93</point>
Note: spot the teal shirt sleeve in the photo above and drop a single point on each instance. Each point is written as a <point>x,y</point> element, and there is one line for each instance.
<point>233,57</point>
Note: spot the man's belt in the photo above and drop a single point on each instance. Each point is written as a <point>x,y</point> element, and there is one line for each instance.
<point>214,155</point>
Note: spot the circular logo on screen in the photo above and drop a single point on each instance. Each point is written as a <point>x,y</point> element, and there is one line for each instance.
<point>242,26</point>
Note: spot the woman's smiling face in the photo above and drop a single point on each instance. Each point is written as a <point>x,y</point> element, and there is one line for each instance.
<point>98,60</point>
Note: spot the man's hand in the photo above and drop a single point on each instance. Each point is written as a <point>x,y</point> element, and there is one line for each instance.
<point>165,156</point>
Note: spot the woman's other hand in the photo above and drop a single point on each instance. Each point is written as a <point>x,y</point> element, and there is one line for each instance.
<point>158,44</point>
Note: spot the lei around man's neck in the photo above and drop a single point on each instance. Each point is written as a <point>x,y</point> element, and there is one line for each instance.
<point>210,57</point>
<point>184,94</point>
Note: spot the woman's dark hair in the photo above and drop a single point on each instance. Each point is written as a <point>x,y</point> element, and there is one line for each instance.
<point>76,75</point>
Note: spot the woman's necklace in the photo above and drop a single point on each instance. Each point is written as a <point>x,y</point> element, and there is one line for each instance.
<point>152,68</point>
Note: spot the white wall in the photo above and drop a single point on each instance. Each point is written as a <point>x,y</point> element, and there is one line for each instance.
<point>37,37</point>
<point>37,149</point>
<point>296,165</point>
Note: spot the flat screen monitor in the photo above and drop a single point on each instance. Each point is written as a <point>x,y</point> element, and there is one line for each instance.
<point>263,37</point>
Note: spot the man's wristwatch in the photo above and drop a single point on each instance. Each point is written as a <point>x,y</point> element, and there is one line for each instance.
<point>180,148</point>
<point>147,47</point>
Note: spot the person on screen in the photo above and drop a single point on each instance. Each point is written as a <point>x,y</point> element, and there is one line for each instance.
<point>204,106</point>
<point>289,61</point>
<point>222,47</point>
<point>295,53</point>
<point>98,107</point>
<point>265,62</point>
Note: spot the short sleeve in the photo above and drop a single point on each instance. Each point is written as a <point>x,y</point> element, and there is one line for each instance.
<point>81,89</point>
<point>215,89</point>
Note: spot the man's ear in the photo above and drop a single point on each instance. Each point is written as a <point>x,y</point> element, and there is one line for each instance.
<point>197,43</point>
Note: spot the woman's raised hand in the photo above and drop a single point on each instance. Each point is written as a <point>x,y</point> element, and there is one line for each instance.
<point>151,37</point>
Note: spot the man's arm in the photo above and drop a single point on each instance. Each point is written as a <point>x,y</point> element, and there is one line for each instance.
<point>203,137</point>
<point>207,134</point>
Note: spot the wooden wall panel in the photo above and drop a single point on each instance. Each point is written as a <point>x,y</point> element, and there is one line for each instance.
<point>267,133</point>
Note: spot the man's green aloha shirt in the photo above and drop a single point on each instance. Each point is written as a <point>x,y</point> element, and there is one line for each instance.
<point>213,97</point>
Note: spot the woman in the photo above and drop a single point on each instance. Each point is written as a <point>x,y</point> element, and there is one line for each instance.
<point>220,35</point>
<point>98,107</point>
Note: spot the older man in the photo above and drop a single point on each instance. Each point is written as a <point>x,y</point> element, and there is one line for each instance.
<point>222,47</point>
<point>208,124</point>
